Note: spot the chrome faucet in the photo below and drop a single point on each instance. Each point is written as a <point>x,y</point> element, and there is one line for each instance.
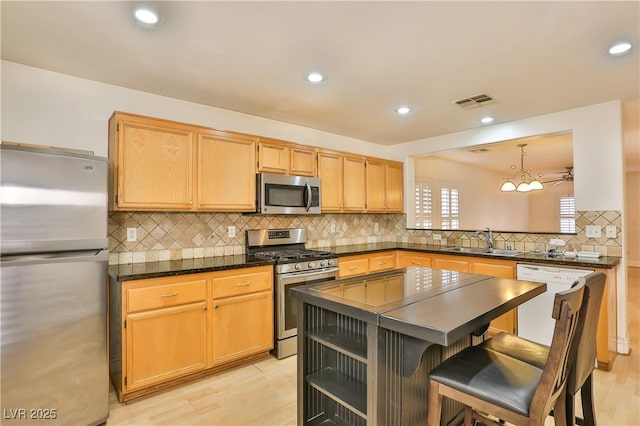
<point>488,236</point>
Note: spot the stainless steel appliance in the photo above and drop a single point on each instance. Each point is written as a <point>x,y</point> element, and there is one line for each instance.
<point>53,287</point>
<point>294,266</point>
<point>282,194</point>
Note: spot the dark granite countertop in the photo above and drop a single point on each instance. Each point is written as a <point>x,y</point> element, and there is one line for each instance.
<point>137,271</point>
<point>604,262</point>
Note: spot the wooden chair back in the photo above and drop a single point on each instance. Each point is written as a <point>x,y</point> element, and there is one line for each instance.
<point>586,352</point>
<point>569,322</point>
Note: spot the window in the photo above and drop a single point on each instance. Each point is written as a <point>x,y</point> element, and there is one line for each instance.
<point>450,208</point>
<point>423,206</point>
<point>568,214</point>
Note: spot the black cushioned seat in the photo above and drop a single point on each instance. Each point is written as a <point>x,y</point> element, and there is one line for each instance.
<point>491,376</point>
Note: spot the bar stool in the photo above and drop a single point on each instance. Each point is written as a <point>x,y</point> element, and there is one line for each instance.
<point>487,381</point>
<point>580,376</point>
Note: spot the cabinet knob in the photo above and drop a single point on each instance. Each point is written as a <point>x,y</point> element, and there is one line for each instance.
<point>216,306</point>
<point>204,308</point>
<point>190,202</point>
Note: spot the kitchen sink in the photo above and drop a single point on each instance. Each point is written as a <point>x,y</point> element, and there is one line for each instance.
<point>485,251</point>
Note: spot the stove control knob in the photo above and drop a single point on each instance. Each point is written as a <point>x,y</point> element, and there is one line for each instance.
<point>324,263</point>
<point>332,262</point>
<point>298,266</point>
<point>311,265</point>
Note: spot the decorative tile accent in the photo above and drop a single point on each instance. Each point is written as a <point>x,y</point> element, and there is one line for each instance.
<point>171,236</point>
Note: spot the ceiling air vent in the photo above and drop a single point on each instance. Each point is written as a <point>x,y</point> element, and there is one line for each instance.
<point>474,101</point>
<point>479,150</point>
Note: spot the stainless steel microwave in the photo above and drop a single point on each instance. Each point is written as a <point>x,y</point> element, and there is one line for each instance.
<point>282,194</point>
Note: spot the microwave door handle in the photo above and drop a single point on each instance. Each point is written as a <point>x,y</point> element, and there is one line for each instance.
<point>306,184</point>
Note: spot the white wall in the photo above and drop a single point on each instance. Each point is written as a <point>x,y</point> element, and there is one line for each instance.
<point>47,108</point>
<point>477,186</point>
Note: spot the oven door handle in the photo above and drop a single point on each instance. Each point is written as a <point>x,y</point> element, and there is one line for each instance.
<point>315,275</point>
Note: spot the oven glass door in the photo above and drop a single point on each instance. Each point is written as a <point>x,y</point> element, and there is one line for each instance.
<point>287,307</point>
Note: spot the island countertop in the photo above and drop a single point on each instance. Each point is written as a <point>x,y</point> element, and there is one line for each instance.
<point>440,306</point>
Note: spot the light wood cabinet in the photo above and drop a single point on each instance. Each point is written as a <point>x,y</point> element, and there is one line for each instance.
<point>350,266</point>
<point>164,165</point>
<point>242,314</point>
<point>303,161</point>
<point>411,258</point>
<point>226,172</point>
<point>384,186</point>
<point>166,330</point>
<point>451,263</point>
<point>151,164</point>
<point>330,174</point>
<point>285,158</point>
<point>354,184</point>
<point>343,180</point>
<point>384,261</point>
<point>361,264</point>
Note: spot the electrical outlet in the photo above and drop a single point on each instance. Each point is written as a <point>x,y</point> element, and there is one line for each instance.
<point>509,245</point>
<point>231,231</point>
<point>333,227</point>
<point>437,237</point>
<point>611,231</point>
<point>594,231</point>
<point>376,228</point>
<point>132,234</point>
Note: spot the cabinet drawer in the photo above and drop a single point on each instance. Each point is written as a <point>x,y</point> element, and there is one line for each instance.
<point>242,284</point>
<point>171,294</point>
<point>349,268</point>
<point>382,263</point>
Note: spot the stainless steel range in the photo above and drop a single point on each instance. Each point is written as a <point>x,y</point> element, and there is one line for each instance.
<point>294,266</point>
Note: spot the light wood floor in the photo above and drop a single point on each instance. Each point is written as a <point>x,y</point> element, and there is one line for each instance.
<point>264,393</point>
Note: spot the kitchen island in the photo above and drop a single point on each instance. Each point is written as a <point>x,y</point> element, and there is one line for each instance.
<point>366,345</point>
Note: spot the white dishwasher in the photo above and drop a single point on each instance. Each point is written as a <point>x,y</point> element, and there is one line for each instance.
<point>534,317</point>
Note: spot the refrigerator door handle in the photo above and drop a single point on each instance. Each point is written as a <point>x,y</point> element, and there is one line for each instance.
<point>62,257</point>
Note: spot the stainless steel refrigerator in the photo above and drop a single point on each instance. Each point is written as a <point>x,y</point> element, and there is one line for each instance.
<point>53,231</point>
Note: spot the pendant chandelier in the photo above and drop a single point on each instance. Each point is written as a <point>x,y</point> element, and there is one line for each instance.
<point>524,186</point>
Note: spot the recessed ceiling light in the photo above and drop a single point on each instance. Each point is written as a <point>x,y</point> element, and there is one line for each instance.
<point>619,48</point>
<point>487,120</point>
<point>146,17</point>
<point>315,77</point>
<point>403,110</point>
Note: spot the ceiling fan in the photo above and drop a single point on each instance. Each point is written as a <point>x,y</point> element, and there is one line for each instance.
<point>564,176</point>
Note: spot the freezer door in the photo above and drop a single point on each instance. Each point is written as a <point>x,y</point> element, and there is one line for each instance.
<point>52,201</point>
<point>54,339</point>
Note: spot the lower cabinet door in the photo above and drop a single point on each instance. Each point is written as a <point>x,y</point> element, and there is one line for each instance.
<point>242,326</point>
<point>165,343</point>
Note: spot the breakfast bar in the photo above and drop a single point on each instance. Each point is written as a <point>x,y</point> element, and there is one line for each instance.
<point>366,345</point>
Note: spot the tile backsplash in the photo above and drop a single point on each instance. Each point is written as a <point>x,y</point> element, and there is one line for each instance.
<point>174,235</point>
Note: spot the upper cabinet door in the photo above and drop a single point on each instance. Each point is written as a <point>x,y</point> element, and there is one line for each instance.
<point>330,174</point>
<point>273,157</point>
<point>303,161</point>
<point>394,186</point>
<point>153,164</point>
<point>354,184</point>
<point>226,172</point>
<point>375,186</point>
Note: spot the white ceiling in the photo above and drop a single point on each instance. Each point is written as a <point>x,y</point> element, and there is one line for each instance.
<point>531,57</point>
